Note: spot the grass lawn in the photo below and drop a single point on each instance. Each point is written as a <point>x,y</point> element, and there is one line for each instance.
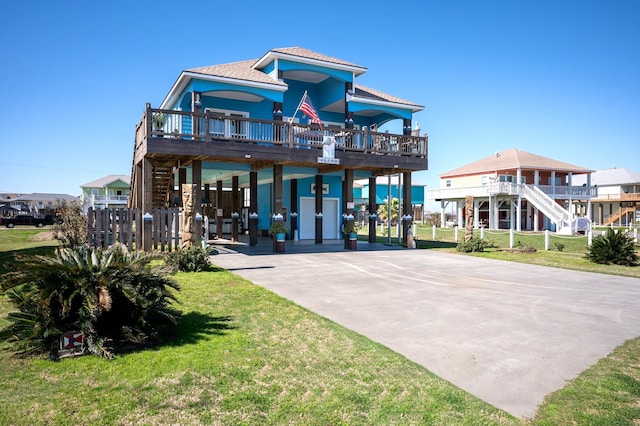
<point>245,356</point>
<point>566,252</point>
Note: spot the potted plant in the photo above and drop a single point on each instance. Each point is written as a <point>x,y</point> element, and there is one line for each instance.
<point>350,229</point>
<point>157,121</point>
<point>279,228</point>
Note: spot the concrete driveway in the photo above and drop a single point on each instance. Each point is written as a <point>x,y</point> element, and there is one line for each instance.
<point>508,333</point>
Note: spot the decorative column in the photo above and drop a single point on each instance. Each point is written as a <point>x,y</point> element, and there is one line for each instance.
<point>293,207</point>
<point>347,208</point>
<point>318,191</point>
<point>219,209</point>
<point>407,207</point>
<point>519,205</point>
<point>235,208</point>
<point>373,209</point>
<point>277,201</point>
<point>253,208</point>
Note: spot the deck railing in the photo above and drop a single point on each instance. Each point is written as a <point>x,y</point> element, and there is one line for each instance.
<point>208,126</point>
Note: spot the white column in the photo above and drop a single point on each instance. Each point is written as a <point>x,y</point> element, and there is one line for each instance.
<point>511,211</point>
<point>442,212</point>
<point>589,197</point>
<point>459,215</point>
<point>519,205</point>
<point>476,214</point>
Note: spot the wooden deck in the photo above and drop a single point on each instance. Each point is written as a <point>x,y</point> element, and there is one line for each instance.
<point>186,136</point>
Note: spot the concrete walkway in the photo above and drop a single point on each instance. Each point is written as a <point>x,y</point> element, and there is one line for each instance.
<point>508,333</point>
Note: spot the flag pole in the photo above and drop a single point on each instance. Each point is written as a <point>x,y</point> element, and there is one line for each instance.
<point>298,109</point>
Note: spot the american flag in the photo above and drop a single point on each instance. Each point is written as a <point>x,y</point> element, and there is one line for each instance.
<point>307,108</point>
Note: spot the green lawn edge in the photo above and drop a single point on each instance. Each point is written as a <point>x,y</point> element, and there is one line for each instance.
<point>244,355</point>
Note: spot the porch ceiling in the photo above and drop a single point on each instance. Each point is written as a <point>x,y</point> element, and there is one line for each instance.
<point>213,172</point>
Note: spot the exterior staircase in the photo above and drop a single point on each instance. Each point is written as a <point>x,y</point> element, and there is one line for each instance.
<point>626,212</point>
<point>547,205</point>
<point>162,179</point>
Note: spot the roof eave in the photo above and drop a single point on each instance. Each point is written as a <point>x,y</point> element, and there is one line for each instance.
<point>186,76</point>
<point>271,55</point>
<point>414,107</point>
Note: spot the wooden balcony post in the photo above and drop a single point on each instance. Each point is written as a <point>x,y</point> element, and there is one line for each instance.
<point>406,207</point>
<point>318,230</point>
<point>235,208</point>
<point>253,208</point>
<point>373,210</point>
<point>219,209</point>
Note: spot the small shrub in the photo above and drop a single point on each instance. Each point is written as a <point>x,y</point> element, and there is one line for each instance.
<point>71,231</point>
<point>524,248</point>
<point>194,259</point>
<point>472,245</point>
<point>613,248</point>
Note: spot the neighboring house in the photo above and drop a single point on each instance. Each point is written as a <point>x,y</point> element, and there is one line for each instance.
<point>517,190</point>
<point>108,191</point>
<point>8,210</point>
<point>386,185</point>
<point>618,196</point>
<point>39,203</point>
<point>253,145</point>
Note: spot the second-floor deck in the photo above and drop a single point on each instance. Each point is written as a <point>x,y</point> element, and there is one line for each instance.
<point>210,136</point>
<point>512,189</point>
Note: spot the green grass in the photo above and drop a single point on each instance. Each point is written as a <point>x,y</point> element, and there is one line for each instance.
<point>606,394</point>
<point>243,355</point>
<point>27,241</point>
<point>572,255</point>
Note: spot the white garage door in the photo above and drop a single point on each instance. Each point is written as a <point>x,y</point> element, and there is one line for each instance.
<point>307,218</point>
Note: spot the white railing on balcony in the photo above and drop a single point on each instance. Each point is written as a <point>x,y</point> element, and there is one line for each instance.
<point>566,192</point>
<point>547,206</point>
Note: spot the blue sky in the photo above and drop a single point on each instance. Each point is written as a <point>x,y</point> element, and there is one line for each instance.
<point>556,78</point>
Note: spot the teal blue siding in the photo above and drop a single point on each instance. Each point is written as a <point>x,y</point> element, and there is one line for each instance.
<point>340,75</point>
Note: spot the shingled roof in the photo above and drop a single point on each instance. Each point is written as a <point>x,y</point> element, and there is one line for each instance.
<point>608,177</point>
<point>512,159</point>
<point>106,180</point>
<point>242,70</point>
<point>368,93</point>
<point>310,54</point>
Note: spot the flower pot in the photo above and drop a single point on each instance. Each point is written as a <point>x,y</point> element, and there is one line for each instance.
<point>280,236</point>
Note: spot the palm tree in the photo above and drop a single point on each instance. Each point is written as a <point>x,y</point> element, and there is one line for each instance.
<point>383,210</point>
<point>111,296</point>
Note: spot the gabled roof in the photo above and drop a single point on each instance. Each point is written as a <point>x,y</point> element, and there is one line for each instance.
<point>238,71</point>
<point>608,177</point>
<point>249,73</point>
<point>305,54</point>
<point>36,196</point>
<point>107,180</point>
<point>512,159</point>
<point>376,95</point>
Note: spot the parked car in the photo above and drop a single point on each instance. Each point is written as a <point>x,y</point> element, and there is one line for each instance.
<point>23,219</point>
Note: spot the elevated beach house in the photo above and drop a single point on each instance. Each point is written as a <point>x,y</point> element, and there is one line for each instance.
<point>518,190</point>
<point>617,196</point>
<point>286,133</point>
<point>108,191</point>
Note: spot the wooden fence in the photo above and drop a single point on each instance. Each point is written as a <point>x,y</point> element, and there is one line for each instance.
<point>160,230</point>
